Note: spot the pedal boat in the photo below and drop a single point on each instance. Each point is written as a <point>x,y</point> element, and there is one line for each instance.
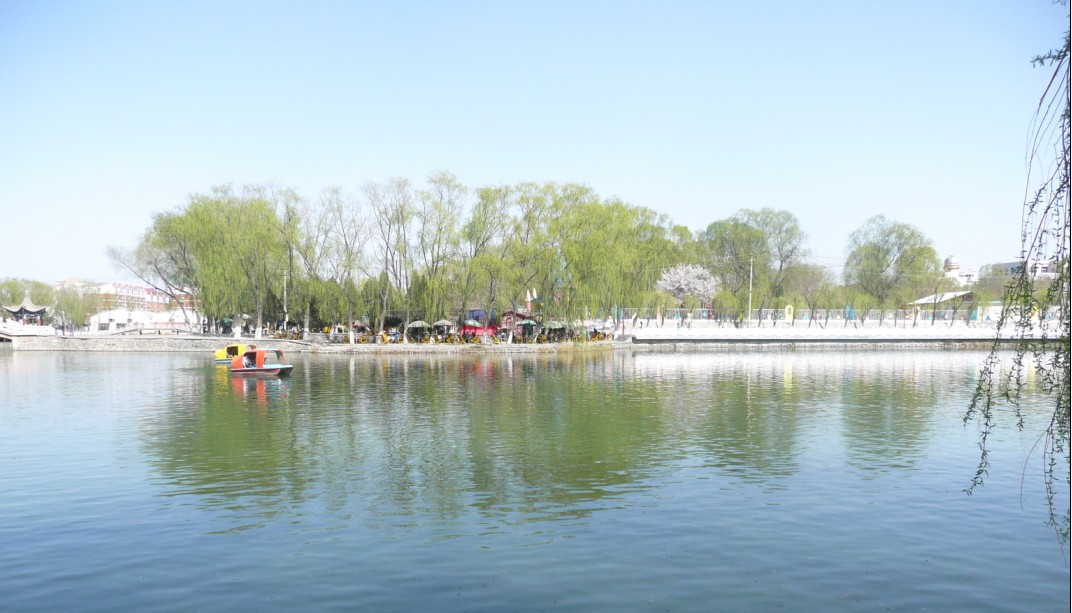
<point>228,353</point>
<point>267,362</point>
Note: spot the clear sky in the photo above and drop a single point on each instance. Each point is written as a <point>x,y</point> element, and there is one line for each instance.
<point>835,111</point>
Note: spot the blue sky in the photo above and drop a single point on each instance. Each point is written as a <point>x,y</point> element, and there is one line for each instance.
<point>834,111</point>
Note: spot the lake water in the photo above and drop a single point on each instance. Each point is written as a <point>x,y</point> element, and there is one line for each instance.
<point>753,480</point>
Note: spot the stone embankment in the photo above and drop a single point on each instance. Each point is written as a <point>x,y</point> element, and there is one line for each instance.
<point>196,343</point>
<point>640,339</point>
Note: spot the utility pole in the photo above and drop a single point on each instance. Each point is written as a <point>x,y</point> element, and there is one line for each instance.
<point>750,291</point>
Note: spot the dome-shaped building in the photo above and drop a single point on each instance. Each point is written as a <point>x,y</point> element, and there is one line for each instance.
<point>952,271</point>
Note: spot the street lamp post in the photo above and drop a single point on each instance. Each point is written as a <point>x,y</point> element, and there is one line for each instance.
<point>750,292</point>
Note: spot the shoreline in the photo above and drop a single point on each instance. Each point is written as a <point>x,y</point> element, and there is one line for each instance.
<point>179,343</point>
<point>675,341</point>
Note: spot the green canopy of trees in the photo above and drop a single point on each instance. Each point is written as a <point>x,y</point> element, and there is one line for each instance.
<point>891,262</point>
<point>408,253</point>
<point>436,251</point>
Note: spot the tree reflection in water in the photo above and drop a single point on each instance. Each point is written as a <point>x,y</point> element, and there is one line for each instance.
<point>530,438</point>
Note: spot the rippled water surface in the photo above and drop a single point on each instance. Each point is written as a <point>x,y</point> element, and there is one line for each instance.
<point>764,480</point>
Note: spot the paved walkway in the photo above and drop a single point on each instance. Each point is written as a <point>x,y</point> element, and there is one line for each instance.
<point>10,329</point>
<point>804,334</point>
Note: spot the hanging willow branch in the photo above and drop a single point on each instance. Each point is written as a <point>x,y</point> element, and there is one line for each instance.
<point>1035,310</point>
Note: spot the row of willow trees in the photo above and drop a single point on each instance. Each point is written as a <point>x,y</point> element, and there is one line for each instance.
<point>438,251</point>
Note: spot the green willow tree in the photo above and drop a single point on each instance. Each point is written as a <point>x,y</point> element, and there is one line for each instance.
<point>343,259</point>
<point>615,253</point>
<point>245,255</point>
<point>646,245</point>
<point>785,244</point>
<point>810,285</point>
<point>165,258</point>
<point>296,287</point>
<point>736,253</point>
<point>392,251</point>
<point>393,208</point>
<point>1035,313</point>
<point>74,304</point>
<point>485,248</point>
<point>532,244</point>
<point>311,243</point>
<point>228,251</point>
<point>892,262</point>
<point>753,255</point>
<point>439,207</point>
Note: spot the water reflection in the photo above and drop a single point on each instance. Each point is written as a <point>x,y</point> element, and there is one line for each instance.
<point>532,438</point>
<point>586,482</point>
<point>263,392</point>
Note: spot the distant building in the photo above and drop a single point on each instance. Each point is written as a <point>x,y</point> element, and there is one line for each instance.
<point>120,319</point>
<point>952,271</point>
<point>185,300</point>
<point>128,306</point>
<point>1037,269</point>
<point>117,295</point>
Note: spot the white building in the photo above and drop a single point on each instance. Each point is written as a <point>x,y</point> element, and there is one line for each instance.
<point>116,320</point>
<point>119,320</point>
<point>133,297</point>
<point>963,278</point>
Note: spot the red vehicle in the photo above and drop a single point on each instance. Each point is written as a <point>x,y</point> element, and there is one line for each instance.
<point>260,362</point>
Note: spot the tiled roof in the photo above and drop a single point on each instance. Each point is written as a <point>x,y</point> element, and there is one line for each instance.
<point>27,306</point>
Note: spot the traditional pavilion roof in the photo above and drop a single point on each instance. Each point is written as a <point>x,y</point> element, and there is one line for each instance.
<point>27,307</point>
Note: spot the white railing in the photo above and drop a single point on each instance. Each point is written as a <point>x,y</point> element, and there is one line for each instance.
<point>875,318</point>
<point>132,329</point>
<point>17,328</point>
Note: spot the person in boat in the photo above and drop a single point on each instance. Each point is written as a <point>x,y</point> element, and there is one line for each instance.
<point>247,362</point>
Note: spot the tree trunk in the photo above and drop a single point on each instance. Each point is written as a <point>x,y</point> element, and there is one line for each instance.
<point>306,321</point>
<point>260,322</point>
